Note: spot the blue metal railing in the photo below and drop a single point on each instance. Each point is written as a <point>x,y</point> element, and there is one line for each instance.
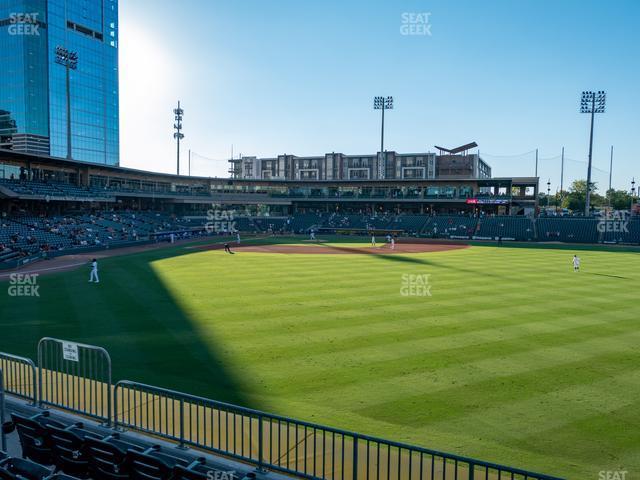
<point>19,376</point>
<point>287,445</point>
<point>3,440</point>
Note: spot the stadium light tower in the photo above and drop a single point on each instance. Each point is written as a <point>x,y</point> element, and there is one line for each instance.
<point>178,135</point>
<point>592,103</point>
<point>382,103</point>
<point>69,60</point>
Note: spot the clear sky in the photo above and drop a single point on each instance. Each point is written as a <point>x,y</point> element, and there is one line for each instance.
<point>299,77</point>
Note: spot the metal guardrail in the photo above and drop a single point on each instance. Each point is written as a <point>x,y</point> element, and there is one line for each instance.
<point>187,419</point>
<point>19,376</point>
<point>290,446</point>
<point>76,377</point>
<point>3,440</point>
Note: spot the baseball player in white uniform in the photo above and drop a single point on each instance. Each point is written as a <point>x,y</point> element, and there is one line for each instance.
<point>93,276</point>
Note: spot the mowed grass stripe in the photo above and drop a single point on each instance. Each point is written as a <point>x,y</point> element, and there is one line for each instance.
<point>379,363</point>
<point>436,378</point>
<point>393,329</point>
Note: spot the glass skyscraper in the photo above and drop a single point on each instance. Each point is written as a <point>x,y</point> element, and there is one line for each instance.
<point>34,93</point>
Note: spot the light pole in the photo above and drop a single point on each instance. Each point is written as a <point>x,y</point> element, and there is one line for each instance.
<point>633,193</point>
<point>178,135</point>
<point>548,192</point>
<point>382,103</point>
<point>592,103</point>
<point>610,176</point>
<point>69,60</point>
<point>562,171</point>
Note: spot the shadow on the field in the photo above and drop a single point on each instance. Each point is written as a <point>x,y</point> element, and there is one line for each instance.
<point>190,354</point>
<point>151,337</point>
<point>408,259</point>
<point>611,276</point>
<point>352,250</point>
<point>424,261</point>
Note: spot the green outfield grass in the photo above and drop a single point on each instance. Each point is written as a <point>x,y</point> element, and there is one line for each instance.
<point>514,358</point>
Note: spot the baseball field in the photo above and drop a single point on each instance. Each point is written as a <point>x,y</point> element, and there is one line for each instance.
<point>500,353</point>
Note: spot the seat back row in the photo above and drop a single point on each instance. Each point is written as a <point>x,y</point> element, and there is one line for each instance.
<point>76,451</point>
<point>21,469</point>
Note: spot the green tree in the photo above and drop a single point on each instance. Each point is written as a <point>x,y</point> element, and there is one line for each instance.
<point>577,197</point>
<point>620,200</point>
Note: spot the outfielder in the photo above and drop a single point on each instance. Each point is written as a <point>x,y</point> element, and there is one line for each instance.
<point>576,263</point>
<point>93,276</point>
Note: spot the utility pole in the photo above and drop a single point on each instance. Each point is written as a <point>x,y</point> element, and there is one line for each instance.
<point>178,135</point>
<point>610,175</point>
<point>562,174</point>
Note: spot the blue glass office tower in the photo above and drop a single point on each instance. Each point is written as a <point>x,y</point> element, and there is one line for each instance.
<point>34,94</point>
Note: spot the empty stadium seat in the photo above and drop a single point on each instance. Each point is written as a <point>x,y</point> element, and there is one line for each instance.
<point>34,436</point>
<point>572,230</point>
<point>446,226</point>
<point>153,464</point>
<point>61,476</point>
<point>19,468</point>
<point>69,449</point>
<point>199,470</point>
<point>506,227</point>
<point>108,458</point>
<point>187,473</point>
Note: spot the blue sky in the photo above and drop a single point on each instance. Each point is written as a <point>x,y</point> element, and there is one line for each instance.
<point>281,76</point>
